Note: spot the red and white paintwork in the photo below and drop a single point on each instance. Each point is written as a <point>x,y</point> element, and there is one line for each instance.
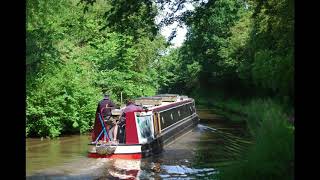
<point>116,156</point>
<point>132,148</point>
<point>122,151</point>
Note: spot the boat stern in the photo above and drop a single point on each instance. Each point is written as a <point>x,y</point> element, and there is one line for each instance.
<point>121,151</point>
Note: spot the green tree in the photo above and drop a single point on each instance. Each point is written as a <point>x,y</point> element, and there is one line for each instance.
<point>72,56</point>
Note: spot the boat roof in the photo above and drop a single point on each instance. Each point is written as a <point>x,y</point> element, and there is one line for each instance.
<point>160,100</point>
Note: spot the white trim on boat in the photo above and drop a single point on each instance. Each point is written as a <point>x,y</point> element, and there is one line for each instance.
<point>168,103</point>
<point>130,149</point>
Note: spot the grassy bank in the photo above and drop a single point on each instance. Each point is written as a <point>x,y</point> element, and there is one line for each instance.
<point>272,154</point>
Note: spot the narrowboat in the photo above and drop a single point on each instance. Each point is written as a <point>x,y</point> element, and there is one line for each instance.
<point>163,118</point>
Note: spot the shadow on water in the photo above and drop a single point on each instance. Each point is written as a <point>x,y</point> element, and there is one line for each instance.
<point>197,154</point>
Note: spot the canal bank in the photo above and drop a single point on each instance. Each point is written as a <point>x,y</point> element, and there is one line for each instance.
<point>270,122</point>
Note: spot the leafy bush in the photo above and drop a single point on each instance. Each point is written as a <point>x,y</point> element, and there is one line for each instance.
<point>131,84</point>
<point>72,55</point>
<point>272,155</point>
<point>62,103</point>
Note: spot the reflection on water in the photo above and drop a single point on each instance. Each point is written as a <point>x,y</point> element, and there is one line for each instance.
<point>183,171</point>
<point>198,154</point>
<point>124,169</point>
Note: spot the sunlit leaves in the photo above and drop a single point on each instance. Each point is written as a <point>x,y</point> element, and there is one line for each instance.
<point>242,44</point>
<point>72,57</point>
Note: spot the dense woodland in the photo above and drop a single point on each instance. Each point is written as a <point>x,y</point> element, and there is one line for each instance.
<point>78,49</point>
<point>238,54</point>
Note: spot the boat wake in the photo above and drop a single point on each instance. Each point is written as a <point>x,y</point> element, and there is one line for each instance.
<point>203,127</point>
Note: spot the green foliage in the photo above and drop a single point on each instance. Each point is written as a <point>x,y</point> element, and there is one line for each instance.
<point>273,42</point>
<point>272,155</point>
<point>167,68</point>
<point>62,103</point>
<point>175,73</point>
<point>132,17</point>
<point>127,66</point>
<point>72,56</point>
<point>75,49</point>
<point>235,52</point>
<point>242,47</point>
<point>259,110</point>
<point>209,30</point>
<point>131,84</point>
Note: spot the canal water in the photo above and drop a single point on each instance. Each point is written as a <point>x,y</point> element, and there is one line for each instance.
<point>212,144</point>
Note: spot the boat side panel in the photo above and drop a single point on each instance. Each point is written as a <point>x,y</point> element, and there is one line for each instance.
<point>179,129</point>
<point>131,129</point>
<point>169,135</point>
<point>175,114</point>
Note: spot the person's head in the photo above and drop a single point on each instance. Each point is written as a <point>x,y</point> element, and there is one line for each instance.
<point>129,101</point>
<point>105,96</point>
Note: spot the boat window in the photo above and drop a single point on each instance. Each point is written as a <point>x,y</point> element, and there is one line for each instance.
<point>174,115</point>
